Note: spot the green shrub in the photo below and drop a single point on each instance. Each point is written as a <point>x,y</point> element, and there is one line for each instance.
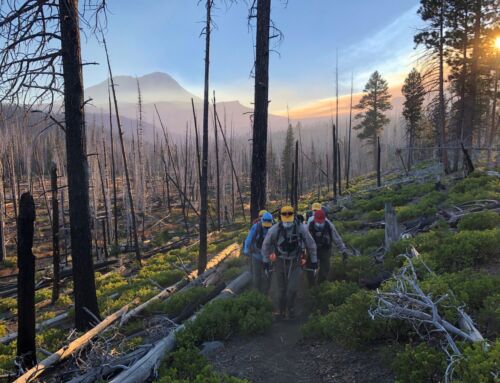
<point>420,364</point>
<point>249,313</point>
<point>466,249</point>
<point>479,221</point>
<point>354,269</point>
<point>8,304</point>
<point>476,186</point>
<point>51,339</point>
<point>3,329</point>
<point>7,356</point>
<point>366,242</point>
<point>187,365</point>
<point>43,294</point>
<point>479,364</point>
<point>174,305</point>
<point>375,215</point>
<point>489,316</point>
<point>350,324</point>
<point>330,294</point>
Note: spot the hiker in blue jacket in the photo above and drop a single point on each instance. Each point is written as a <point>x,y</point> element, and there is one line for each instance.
<point>252,248</point>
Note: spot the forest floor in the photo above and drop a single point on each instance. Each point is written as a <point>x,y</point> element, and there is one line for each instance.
<point>281,355</point>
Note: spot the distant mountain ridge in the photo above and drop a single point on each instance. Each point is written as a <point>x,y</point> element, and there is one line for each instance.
<point>155,87</point>
<point>173,103</point>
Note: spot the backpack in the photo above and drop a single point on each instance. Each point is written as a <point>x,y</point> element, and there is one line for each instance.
<point>258,238</point>
<point>323,237</point>
<point>290,246</point>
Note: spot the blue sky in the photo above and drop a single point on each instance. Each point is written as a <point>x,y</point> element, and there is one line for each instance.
<point>151,35</point>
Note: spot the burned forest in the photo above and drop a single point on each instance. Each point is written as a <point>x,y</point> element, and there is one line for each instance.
<point>213,191</point>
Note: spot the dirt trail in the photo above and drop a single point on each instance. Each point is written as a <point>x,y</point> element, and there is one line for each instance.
<point>282,356</point>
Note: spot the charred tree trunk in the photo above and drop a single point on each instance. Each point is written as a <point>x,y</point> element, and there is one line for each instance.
<point>348,167</point>
<point>124,158</point>
<point>217,170</point>
<point>113,174</point>
<point>339,168</point>
<point>379,181</point>
<point>77,166</point>
<point>442,105</point>
<point>202,256</point>
<point>296,178</point>
<point>261,99</point>
<point>334,160</point>
<point>26,348</point>
<point>56,258</point>
<point>3,253</point>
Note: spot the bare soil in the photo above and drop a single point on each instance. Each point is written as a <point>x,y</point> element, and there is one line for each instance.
<point>281,355</point>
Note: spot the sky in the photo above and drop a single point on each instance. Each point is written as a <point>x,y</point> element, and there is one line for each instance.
<point>150,35</point>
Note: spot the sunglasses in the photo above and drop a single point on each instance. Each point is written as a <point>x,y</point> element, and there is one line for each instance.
<point>286,214</point>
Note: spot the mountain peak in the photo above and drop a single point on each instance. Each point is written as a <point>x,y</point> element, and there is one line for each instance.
<point>155,87</point>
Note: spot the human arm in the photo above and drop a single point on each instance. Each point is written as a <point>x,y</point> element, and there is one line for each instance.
<point>309,243</point>
<point>269,243</point>
<point>337,238</point>
<point>249,239</point>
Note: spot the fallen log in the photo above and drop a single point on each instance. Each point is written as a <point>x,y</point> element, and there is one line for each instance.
<point>148,364</point>
<point>192,277</point>
<point>68,350</point>
<point>109,368</point>
<point>45,324</point>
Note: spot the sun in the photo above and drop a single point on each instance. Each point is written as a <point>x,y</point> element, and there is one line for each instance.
<point>497,42</point>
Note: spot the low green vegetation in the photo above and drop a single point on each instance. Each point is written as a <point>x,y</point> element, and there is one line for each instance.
<point>248,314</point>
<point>460,258</point>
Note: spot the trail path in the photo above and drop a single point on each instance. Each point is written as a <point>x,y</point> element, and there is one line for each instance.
<point>282,356</point>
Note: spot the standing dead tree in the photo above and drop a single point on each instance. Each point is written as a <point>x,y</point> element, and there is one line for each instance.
<point>56,258</point>
<point>261,100</point>
<point>40,55</point>
<point>26,349</point>
<point>3,253</point>
<point>124,159</point>
<point>202,256</point>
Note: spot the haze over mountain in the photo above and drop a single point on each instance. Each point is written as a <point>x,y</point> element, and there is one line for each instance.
<point>173,103</point>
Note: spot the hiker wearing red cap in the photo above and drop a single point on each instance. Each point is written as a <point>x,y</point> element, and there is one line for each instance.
<point>324,234</point>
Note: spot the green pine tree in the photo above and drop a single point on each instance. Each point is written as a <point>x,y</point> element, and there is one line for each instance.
<point>414,93</point>
<point>373,104</point>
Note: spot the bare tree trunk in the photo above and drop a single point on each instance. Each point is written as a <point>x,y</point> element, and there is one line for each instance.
<point>379,182</point>
<point>493,129</point>
<point>471,99</point>
<point>261,99</point>
<point>442,106</point>
<point>234,170</point>
<point>77,167</point>
<point>3,253</point>
<point>296,178</point>
<point>124,157</point>
<point>113,173</point>
<point>217,200</point>
<point>334,160</point>
<point>56,259</point>
<point>26,348</point>
<point>202,256</point>
<point>339,168</point>
<point>106,209</point>
<point>348,168</point>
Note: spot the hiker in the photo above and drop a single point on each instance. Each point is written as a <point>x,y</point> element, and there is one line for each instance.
<point>315,206</point>
<point>324,233</point>
<point>285,242</point>
<point>252,248</point>
<point>261,213</point>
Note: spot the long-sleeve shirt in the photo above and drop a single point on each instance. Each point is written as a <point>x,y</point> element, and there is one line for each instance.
<point>250,250</point>
<point>272,237</point>
<point>336,236</point>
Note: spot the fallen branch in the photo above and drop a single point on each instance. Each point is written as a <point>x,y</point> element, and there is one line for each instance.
<point>68,350</point>
<point>148,364</point>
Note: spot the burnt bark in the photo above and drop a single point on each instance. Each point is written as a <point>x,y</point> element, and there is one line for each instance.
<point>56,256</point>
<point>261,99</point>
<point>3,253</point>
<point>202,255</point>
<point>77,167</point>
<point>26,348</point>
